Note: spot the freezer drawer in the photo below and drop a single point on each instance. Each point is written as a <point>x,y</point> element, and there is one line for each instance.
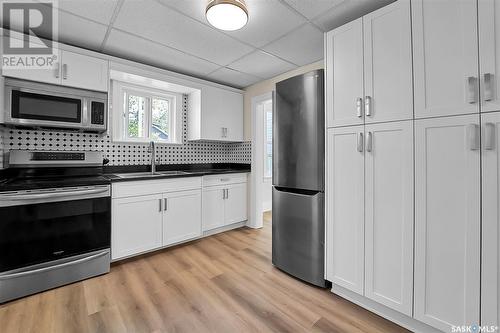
<point>299,234</point>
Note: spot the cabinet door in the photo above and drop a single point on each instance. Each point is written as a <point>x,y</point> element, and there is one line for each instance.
<point>51,75</point>
<point>233,116</point>
<point>490,284</point>
<point>136,225</point>
<point>489,53</point>
<point>389,214</point>
<point>346,207</point>
<point>181,216</point>
<point>345,75</point>
<point>445,57</point>
<point>85,72</point>
<point>388,63</point>
<point>212,113</point>
<point>236,203</point>
<point>212,208</point>
<point>447,221</point>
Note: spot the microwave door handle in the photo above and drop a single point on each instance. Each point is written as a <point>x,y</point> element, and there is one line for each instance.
<point>51,195</point>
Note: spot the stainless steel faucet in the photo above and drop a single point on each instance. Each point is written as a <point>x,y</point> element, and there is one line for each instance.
<point>152,150</point>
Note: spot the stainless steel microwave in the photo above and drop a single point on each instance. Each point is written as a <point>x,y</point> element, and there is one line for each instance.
<point>33,104</point>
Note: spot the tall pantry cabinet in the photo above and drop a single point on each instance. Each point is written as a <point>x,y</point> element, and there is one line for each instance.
<point>370,157</point>
<point>413,169</point>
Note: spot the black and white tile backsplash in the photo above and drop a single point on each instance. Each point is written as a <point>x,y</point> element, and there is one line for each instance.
<point>126,153</point>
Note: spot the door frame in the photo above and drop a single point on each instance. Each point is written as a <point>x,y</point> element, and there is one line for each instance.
<point>256,188</point>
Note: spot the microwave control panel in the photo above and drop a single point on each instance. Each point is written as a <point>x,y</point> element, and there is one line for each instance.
<point>97,113</point>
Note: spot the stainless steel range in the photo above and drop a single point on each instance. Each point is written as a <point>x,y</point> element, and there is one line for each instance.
<point>55,221</point>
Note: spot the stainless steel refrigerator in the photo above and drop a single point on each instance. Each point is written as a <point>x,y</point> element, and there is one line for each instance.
<point>298,219</point>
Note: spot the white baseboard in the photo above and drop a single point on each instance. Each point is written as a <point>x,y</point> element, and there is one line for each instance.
<point>383,311</point>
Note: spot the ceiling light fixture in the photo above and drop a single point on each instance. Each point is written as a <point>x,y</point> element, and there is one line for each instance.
<point>227,15</point>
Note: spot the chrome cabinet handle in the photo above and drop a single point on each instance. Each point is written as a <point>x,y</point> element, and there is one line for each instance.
<point>488,87</point>
<point>359,107</point>
<point>65,71</point>
<point>369,141</point>
<point>489,136</point>
<point>227,193</point>
<point>226,132</point>
<point>223,194</point>
<point>368,106</point>
<point>360,142</point>
<point>473,133</point>
<point>57,70</point>
<point>159,201</point>
<point>471,90</point>
<point>222,129</point>
<point>165,204</point>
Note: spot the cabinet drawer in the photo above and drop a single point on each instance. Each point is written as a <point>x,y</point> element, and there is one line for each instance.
<point>234,178</point>
<point>143,187</point>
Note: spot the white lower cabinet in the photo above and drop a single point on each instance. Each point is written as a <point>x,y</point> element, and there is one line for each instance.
<point>224,204</point>
<point>370,212</point>
<point>181,216</point>
<point>345,207</point>
<point>136,225</point>
<point>490,284</point>
<point>447,221</point>
<point>389,215</point>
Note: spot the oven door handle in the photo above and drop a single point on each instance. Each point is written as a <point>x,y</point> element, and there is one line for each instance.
<point>51,195</point>
<point>50,268</point>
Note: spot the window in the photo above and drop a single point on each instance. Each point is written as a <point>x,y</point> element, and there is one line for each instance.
<point>145,115</point>
<point>268,139</point>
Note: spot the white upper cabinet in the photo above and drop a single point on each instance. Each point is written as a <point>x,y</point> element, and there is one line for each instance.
<point>445,56</point>
<point>369,68</point>
<point>219,117</point>
<point>489,53</point>
<point>82,71</point>
<point>344,61</point>
<point>181,216</point>
<point>345,202</point>
<point>490,284</point>
<point>71,69</point>
<point>447,221</point>
<point>388,63</point>
<point>389,214</point>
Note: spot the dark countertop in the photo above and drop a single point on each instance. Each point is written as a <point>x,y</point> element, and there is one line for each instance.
<point>10,181</point>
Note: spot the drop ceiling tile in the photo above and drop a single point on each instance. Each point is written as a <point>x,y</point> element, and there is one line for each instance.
<point>156,22</point>
<point>303,46</point>
<point>313,8</point>
<point>97,10</point>
<point>233,77</point>
<point>268,19</point>
<point>347,11</point>
<point>262,65</point>
<point>77,31</point>
<point>144,51</point>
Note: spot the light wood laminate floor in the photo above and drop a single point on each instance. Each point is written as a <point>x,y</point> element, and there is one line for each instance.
<point>223,283</point>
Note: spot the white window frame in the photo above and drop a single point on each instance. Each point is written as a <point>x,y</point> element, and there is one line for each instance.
<point>120,113</point>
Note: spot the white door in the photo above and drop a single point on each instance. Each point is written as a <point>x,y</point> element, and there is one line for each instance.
<point>181,216</point>
<point>490,284</point>
<point>212,207</point>
<point>344,97</point>
<point>445,57</point>
<point>489,54</point>
<point>85,72</point>
<point>388,63</point>
<point>51,75</point>
<point>346,207</point>
<point>447,221</point>
<point>236,203</point>
<point>389,214</point>
<point>136,225</point>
